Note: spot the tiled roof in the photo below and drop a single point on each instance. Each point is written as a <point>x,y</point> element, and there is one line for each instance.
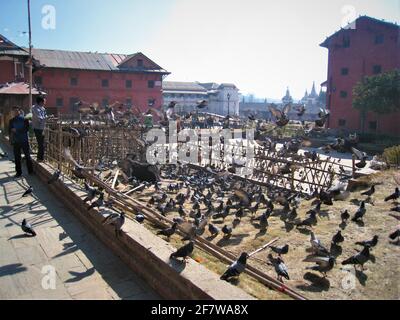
<point>18,88</point>
<point>182,86</point>
<point>87,61</point>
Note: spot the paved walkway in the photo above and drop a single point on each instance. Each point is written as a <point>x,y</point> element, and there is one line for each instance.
<point>84,267</point>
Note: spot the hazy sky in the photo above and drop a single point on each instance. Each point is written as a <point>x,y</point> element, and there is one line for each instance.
<point>262,46</point>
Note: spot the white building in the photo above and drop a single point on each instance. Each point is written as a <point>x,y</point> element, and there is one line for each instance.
<point>221,98</point>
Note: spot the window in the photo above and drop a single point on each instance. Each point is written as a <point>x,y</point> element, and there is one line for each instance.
<point>74,82</point>
<point>59,102</point>
<point>151,102</point>
<point>345,71</point>
<point>19,70</point>
<point>73,104</point>
<point>105,102</point>
<point>373,125</point>
<point>346,42</point>
<point>343,94</point>
<point>140,63</point>
<point>104,83</point>
<point>128,84</point>
<point>379,38</point>
<point>342,122</point>
<point>150,84</point>
<point>38,81</point>
<point>377,69</point>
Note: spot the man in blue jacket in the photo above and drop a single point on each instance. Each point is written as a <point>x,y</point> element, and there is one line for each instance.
<point>18,132</point>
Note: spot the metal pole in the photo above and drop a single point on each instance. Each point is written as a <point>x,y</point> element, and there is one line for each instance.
<point>30,54</point>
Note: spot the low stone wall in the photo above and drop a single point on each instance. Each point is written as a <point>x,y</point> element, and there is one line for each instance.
<point>145,253</point>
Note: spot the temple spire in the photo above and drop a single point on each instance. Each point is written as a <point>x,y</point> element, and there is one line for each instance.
<point>313,91</point>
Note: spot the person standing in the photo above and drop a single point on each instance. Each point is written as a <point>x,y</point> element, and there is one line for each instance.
<point>39,117</point>
<point>18,132</point>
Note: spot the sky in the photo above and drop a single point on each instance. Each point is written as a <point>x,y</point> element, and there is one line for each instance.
<point>262,46</point>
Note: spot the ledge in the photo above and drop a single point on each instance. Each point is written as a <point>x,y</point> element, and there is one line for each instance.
<point>145,253</point>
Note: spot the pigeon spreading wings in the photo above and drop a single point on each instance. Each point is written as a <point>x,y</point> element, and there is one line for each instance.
<point>301,110</point>
<point>278,113</point>
<point>202,104</point>
<point>280,116</point>
<point>189,229</point>
<point>243,196</point>
<point>322,117</point>
<point>360,155</point>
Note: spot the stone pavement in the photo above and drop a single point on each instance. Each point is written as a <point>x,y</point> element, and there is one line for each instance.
<point>84,267</point>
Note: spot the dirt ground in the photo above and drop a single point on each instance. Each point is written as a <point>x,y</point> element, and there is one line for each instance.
<point>379,280</point>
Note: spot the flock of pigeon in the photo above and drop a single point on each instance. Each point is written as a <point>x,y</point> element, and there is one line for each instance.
<point>211,197</point>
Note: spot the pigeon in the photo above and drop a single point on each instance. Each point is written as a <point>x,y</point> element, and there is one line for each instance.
<point>369,243</point>
<point>280,250</point>
<point>281,116</point>
<point>308,222</point>
<point>359,259</point>
<point>395,234</point>
<point>362,156</point>
<point>236,268</point>
<point>54,177</point>
<point>184,251</point>
<point>98,203</point>
<point>345,215</point>
<point>280,268</point>
<point>28,192</point>
<point>370,192</point>
<point>140,218</point>
<point>317,246</point>
<point>323,264</point>
<point>301,110</point>
<point>91,191</point>
<point>323,115</point>
<point>337,238</point>
<point>213,229</point>
<point>293,214</point>
<point>27,228</point>
<point>393,196</point>
<point>168,232</point>
<point>227,231</point>
<point>117,220</point>
<point>360,212</point>
<point>395,209</point>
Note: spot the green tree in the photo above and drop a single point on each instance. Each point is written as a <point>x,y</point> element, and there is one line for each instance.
<point>379,94</point>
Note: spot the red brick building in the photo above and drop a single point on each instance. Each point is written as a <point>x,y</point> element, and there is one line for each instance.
<point>365,47</point>
<point>69,76</point>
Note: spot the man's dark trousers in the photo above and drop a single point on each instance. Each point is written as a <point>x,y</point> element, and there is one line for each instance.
<point>17,154</point>
<point>40,141</point>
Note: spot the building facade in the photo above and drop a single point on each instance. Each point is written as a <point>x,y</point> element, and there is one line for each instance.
<point>69,76</point>
<point>222,98</point>
<point>365,47</point>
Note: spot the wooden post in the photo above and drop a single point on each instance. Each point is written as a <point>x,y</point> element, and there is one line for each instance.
<point>263,247</point>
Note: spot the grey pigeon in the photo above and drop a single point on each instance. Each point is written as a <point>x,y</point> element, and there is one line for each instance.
<point>323,264</point>
<point>54,177</point>
<point>183,252</point>
<point>28,192</point>
<point>236,268</point>
<point>359,259</point>
<point>27,228</point>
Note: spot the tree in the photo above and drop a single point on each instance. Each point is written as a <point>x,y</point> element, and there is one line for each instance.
<point>379,94</point>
